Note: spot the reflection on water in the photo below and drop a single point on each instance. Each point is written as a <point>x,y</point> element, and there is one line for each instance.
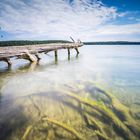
<point>91,96</point>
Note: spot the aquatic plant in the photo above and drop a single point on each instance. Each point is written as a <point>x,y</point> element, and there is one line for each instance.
<point>99,129</point>
<point>64,126</point>
<point>27,132</point>
<point>105,111</point>
<point>123,113</point>
<point>101,136</point>
<point>43,118</point>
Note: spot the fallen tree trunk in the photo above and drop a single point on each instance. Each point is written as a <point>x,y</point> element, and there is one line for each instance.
<point>27,51</point>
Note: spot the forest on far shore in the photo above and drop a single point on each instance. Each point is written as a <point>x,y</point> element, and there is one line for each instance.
<point>28,42</point>
<point>34,42</point>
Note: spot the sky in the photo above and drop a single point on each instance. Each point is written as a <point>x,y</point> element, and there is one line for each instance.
<point>87,20</point>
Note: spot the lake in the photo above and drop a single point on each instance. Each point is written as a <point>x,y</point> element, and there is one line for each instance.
<point>92,96</point>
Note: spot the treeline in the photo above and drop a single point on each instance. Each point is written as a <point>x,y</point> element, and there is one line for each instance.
<point>27,42</point>
<point>112,43</point>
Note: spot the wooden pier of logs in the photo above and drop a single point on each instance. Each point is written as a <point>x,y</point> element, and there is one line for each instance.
<point>31,52</point>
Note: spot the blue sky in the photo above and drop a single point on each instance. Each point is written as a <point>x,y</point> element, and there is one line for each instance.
<point>89,20</point>
<point>124,5</point>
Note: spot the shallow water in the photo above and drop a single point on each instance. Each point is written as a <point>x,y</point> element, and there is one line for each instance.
<point>72,98</point>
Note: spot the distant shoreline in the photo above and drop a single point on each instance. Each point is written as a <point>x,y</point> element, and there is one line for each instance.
<point>112,43</point>
<point>34,42</point>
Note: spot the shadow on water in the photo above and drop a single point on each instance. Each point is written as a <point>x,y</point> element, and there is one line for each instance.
<point>12,121</point>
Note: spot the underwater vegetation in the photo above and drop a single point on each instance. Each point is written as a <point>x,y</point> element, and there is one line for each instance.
<point>84,111</point>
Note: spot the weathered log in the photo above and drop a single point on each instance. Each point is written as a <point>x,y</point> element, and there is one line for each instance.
<point>37,56</point>
<point>68,51</point>
<point>77,50</point>
<point>27,51</point>
<point>68,54</point>
<point>30,57</point>
<point>7,60</point>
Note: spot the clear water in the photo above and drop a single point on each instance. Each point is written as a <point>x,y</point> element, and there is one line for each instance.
<point>29,92</point>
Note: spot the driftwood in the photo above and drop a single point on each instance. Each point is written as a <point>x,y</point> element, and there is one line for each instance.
<point>30,52</point>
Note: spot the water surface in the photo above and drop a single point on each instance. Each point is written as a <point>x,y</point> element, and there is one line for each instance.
<point>72,98</point>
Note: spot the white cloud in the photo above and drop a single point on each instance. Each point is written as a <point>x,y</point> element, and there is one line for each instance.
<point>58,19</point>
<point>122,29</point>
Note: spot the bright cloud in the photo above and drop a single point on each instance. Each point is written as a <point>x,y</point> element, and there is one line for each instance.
<point>59,19</point>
